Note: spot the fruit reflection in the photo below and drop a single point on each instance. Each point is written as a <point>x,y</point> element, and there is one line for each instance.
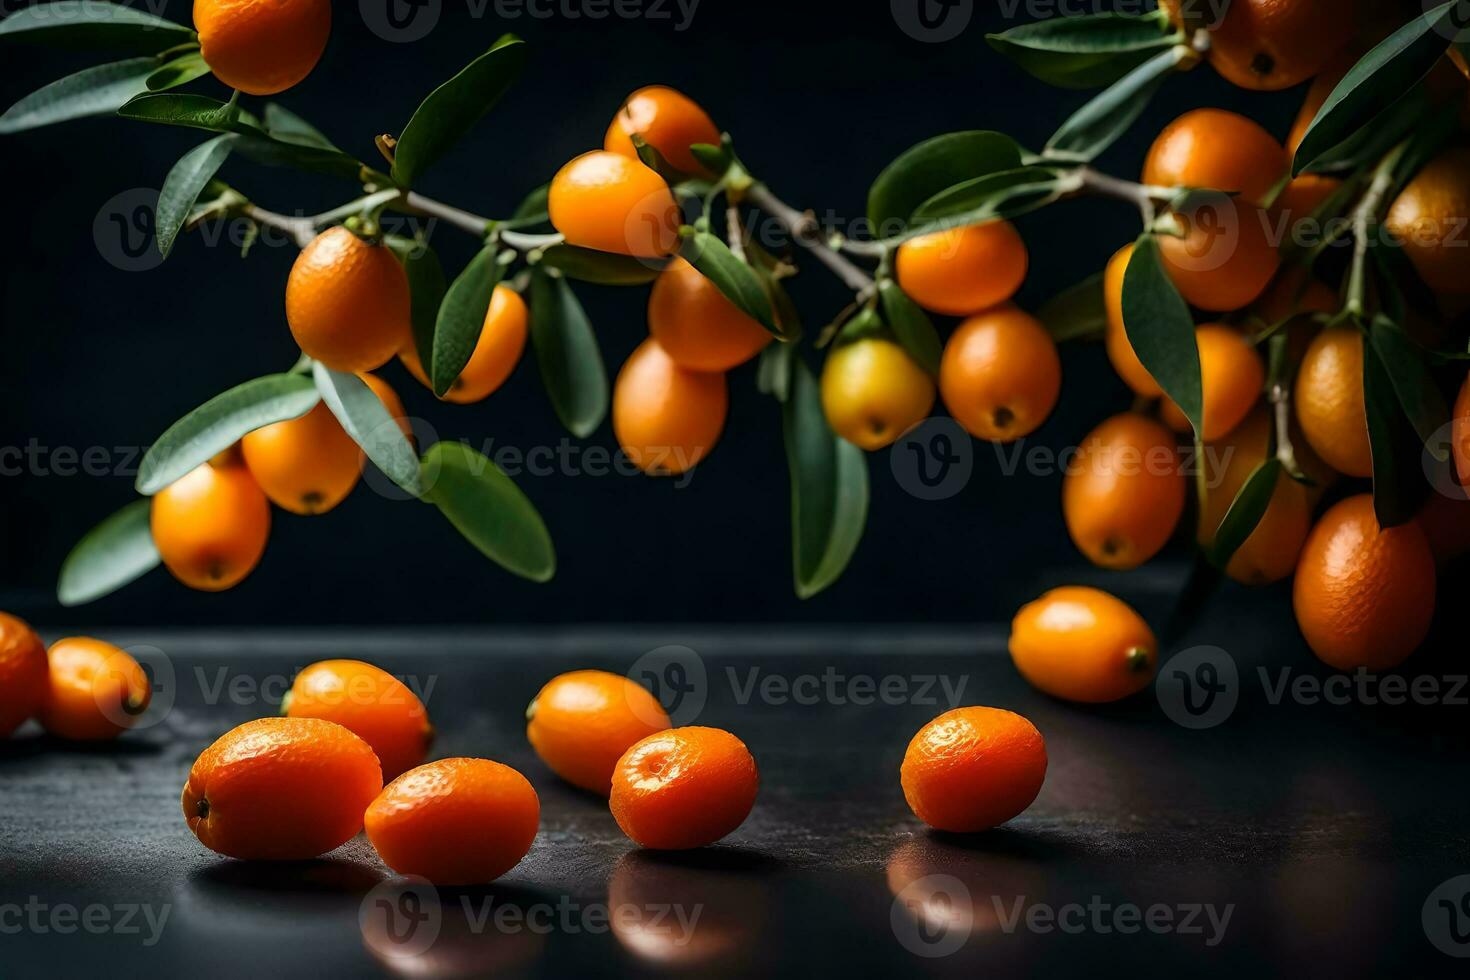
<point>690,910</point>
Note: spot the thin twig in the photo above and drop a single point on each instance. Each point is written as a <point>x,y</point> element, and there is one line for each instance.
<point>733,230</point>
<point>804,228</point>
<point>1145,197</point>
<point>303,230</point>
<point>1363,216</point>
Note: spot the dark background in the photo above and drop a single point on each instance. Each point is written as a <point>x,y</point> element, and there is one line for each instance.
<point>819,98</point>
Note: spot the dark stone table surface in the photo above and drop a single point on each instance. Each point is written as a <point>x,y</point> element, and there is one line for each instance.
<point>1293,833</point>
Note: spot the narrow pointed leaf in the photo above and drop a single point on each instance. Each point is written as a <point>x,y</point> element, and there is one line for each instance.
<point>829,488</point>
<point>1005,194</point>
<point>1245,513</point>
<point>1077,312</point>
<point>96,91</point>
<point>426,288</point>
<point>183,185</point>
<point>1378,80</point>
<point>532,209</point>
<point>489,510</point>
<point>285,125</point>
<point>1420,397</point>
<point>783,308</point>
<point>220,422</point>
<point>367,421</point>
<point>1087,50</point>
<point>567,354</point>
<point>911,326</point>
<point>714,260</point>
<point>462,317</point>
<point>1159,327</point>
<point>186,109</point>
<point>1398,483</point>
<point>202,112</point>
<point>453,108</point>
<point>92,24</point>
<point>109,556</point>
<point>180,71</point>
<point>773,372</point>
<point>929,167</point>
<point>1099,123</point>
<point>603,268</point>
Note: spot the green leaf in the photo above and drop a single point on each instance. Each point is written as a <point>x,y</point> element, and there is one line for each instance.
<point>1378,80</point>
<point>715,159</point>
<point>1368,145</point>
<point>1078,312</point>
<point>651,158</point>
<point>462,317</point>
<point>930,167</point>
<point>766,268</point>
<point>1245,513</point>
<point>180,71</point>
<point>94,91</point>
<point>202,112</point>
<point>219,423</point>
<point>1159,327</point>
<point>187,109</point>
<point>366,419</point>
<point>736,280</point>
<point>109,556</point>
<point>911,327</point>
<point>567,354</point>
<point>91,24</point>
<point>603,268</point>
<point>283,124</point>
<point>829,488</point>
<point>426,288</point>
<point>1098,124</point>
<point>1404,363</point>
<point>999,195</point>
<point>453,108</point>
<point>532,209</point>
<point>1398,484</point>
<point>1085,51</point>
<point>774,370</point>
<point>489,510</point>
<point>183,185</point>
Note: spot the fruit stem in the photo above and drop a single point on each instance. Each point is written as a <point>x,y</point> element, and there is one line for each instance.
<point>1143,196</point>
<point>733,230</point>
<point>803,227</point>
<point>1364,216</point>
<point>303,230</point>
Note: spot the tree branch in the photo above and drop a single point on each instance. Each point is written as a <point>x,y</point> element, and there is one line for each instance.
<point>804,229</point>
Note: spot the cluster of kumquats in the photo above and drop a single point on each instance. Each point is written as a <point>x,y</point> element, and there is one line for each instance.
<point>1363,593</point>
<point>299,785</point>
<point>303,783</point>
